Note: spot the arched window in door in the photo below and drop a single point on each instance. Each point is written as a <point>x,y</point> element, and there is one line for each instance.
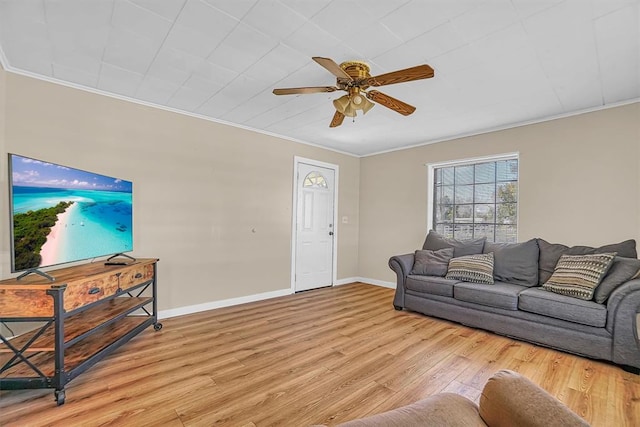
<point>315,179</point>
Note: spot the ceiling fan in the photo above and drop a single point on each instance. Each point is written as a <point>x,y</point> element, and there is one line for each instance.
<point>353,77</point>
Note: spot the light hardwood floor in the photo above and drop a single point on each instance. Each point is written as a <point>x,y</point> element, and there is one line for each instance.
<point>323,356</point>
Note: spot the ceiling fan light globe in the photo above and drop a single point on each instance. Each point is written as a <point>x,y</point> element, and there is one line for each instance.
<point>357,100</point>
<point>341,103</point>
<point>366,106</point>
<point>349,111</point>
<point>338,106</point>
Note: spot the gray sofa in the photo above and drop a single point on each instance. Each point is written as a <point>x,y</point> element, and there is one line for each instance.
<point>518,306</point>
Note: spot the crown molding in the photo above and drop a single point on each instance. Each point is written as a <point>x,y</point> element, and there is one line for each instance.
<point>5,64</point>
<point>53,80</point>
<point>508,126</point>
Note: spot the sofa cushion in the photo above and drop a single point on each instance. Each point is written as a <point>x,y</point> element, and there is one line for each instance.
<point>540,301</point>
<point>435,241</point>
<point>431,285</point>
<point>432,263</point>
<point>501,295</point>
<point>622,270</point>
<point>578,275</point>
<point>550,253</point>
<point>515,263</point>
<point>472,268</point>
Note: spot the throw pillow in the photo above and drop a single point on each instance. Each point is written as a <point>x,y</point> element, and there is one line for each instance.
<point>515,263</point>
<point>435,241</point>
<point>578,275</point>
<point>472,268</point>
<point>622,270</point>
<point>432,263</point>
<point>550,253</point>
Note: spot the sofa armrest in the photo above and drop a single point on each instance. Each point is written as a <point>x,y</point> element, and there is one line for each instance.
<point>623,307</point>
<point>509,399</point>
<point>402,265</point>
<point>443,409</point>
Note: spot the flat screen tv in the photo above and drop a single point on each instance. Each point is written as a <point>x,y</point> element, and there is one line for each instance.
<point>61,214</point>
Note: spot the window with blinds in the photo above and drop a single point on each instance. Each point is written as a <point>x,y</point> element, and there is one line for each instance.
<point>472,200</point>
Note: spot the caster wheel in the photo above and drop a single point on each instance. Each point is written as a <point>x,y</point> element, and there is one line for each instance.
<point>397,307</point>
<point>157,326</point>
<point>59,396</point>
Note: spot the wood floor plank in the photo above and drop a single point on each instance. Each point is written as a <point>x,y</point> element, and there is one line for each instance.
<point>469,392</point>
<point>322,356</point>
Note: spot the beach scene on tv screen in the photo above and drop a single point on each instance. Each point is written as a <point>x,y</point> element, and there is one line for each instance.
<point>61,214</point>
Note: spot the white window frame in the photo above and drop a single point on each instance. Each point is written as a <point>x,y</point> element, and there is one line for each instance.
<point>465,162</point>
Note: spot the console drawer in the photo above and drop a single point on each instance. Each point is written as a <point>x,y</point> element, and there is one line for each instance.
<point>136,275</point>
<point>81,293</point>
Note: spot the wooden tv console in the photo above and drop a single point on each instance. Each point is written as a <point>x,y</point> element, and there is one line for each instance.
<point>86,313</point>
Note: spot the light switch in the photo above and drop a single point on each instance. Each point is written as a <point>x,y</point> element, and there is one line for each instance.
<point>345,219</point>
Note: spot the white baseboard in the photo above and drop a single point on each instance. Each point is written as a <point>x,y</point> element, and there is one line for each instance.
<point>181,311</point>
<point>345,281</point>
<point>376,282</point>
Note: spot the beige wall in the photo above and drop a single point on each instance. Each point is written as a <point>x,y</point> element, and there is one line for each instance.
<point>579,184</point>
<point>200,188</point>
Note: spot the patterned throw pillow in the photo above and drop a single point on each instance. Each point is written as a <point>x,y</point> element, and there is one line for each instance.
<point>472,268</point>
<point>578,275</point>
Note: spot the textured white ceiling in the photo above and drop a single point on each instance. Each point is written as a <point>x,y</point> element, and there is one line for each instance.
<point>497,62</point>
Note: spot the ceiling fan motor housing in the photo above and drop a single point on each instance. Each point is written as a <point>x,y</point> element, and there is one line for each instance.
<point>358,70</point>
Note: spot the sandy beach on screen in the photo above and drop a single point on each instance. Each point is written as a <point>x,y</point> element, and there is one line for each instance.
<point>50,251</point>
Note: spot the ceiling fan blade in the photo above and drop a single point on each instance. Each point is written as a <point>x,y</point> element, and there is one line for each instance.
<point>298,90</point>
<point>338,117</point>
<point>400,76</point>
<point>332,67</point>
<point>390,102</point>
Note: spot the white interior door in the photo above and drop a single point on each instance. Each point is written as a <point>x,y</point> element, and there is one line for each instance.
<point>314,227</point>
